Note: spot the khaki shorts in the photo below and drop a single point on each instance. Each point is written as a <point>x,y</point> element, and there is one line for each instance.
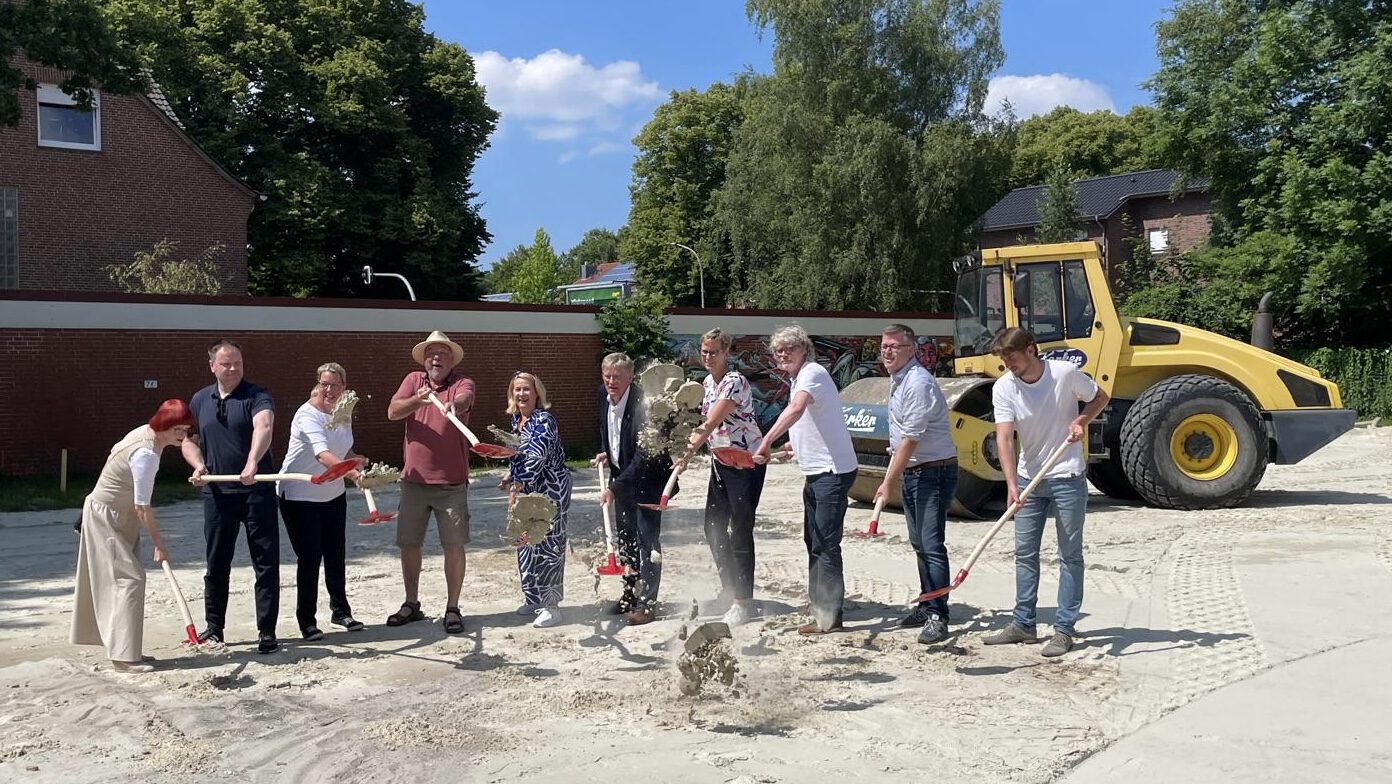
<point>450,504</point>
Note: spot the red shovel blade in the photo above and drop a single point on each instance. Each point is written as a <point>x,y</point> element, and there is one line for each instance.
<point>734,457</point>
<point>943,591</point>
<point>493,451</point>
<point>192,635</point>
<point>340,469</point>
<point>660,506</point>
<point>611,567</point>
<point>869,533</point>
<point>377,517</point>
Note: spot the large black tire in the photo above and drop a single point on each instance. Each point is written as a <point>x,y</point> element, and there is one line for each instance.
<point>974,495</point>
<point>1207,422</point>
<point>1110,479</point>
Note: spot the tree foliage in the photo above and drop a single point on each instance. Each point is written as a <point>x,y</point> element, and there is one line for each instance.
<point>499,278</point>
<point>1090,144</point>
<point>1058,208</point>
<point>538,276</point>
<point>1283,105</point>
<point>863,162</point>
<point>359,127</point>
<point>598,246</point>
<point>72,35</point>
<point>155,271</point>
<point>680,167</point>
<point>637,326</point>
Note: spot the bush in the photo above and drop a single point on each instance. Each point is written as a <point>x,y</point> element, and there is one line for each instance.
<point>154,271</point>
<point>1361,373</point>
<point>637,326</point>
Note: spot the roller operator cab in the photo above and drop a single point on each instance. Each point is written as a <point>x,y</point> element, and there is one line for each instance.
<point>1194,417</point>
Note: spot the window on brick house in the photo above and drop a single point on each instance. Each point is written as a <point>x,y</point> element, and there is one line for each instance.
<point>62,123</point>
<point>9,238</point>
<point>1159,240</point>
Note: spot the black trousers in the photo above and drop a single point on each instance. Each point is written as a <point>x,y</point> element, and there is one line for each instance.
<point>318,534</point>
<point>223,516</point>
<point>731,498</point>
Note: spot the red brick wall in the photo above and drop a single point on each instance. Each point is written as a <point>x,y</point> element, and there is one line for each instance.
<point>82,389</point>
<point>82,210</point>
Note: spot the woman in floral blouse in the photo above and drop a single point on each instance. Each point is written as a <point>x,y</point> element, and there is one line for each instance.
<point>733,493</point>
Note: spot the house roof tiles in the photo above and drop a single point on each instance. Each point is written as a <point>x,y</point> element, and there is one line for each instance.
<point>1098,197</point>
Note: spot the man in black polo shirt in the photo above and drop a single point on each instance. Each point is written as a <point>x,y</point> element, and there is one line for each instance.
<point>234,437</point>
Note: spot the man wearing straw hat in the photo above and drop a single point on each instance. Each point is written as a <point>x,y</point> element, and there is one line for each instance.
<point>435,472</point>
<point>1039,400</point>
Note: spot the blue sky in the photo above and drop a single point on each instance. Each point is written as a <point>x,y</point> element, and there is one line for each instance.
<point>575,82</point>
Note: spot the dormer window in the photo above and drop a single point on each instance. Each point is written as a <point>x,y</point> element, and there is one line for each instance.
<point>62,123</point>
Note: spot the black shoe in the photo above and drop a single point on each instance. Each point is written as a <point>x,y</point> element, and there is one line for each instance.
<point>348,622</point>
<point>311,633</point>
<point>210,634</point>
<point>918,617</point>
<point>266,643</point>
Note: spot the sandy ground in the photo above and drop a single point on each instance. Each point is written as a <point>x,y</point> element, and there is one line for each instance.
<point>1179,604</point>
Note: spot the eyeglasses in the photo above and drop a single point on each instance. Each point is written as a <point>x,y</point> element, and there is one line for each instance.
<point>185,429</point>
<point>785,350</point>
<point>330,385</point>
<point>895,346</point>
<point>705,353</point>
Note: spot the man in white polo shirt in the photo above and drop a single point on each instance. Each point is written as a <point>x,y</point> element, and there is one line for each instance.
<point>1039,400</point>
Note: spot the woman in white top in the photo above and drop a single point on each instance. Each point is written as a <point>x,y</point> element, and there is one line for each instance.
<point>733,493</point>
<point>815,425</point>
<point>316,515</point>
<point>109,600</point>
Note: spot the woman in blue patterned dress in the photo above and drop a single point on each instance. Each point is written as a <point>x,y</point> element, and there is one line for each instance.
<point>733,493</point>
<point>539,467</point>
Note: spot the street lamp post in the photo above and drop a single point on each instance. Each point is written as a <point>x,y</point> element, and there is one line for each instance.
<point>699,269</point>
<point>369,274</point>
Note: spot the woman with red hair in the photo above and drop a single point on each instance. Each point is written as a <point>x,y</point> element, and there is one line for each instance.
<point>109,600</point>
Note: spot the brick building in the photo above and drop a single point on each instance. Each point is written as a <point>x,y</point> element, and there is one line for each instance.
<point>83,190</point>
<point>1145,201</point>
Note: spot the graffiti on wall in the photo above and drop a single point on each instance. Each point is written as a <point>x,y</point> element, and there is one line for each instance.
<point>848,358</point>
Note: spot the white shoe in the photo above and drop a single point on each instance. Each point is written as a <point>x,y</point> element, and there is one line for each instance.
<point>737,615</point>
<point>527,610</point>
<point>123,666</point>
<point>547,616</point>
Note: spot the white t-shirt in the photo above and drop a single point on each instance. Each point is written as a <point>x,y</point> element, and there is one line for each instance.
<point>144,464</point>
<point>1042,412</point>
<point>820,439</point>
<point>615,414</point>
<point>308,437</point>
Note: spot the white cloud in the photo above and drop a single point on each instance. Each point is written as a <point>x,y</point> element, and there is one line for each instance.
<point>1038,94</point>
<point>561,95</point>
<point>603,148</point>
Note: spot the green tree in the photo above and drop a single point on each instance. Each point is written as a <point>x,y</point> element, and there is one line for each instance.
<point>1088,144</point>
<point>598,246</point>
<point>536,279</point>
<point>637,326</point>
<point>1058,209</point>
<point>1282,104</point>
<point>682,153</point>
<point>71,35</point>
<point>360,127</point>
<point>500,277</point>
<point>155,271</point>
<point>863,162</point>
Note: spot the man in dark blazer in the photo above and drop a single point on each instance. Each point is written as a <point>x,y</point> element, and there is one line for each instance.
<point>634,478</point>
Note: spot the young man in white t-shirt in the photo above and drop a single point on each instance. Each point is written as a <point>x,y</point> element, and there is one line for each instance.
<point>815,425</point>
<point>1039,399</point>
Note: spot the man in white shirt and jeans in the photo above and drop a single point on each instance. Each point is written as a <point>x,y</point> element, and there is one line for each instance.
<point>1039,400</point>
<point>815,425</point>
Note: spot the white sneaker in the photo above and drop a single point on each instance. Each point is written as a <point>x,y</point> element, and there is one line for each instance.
<point>528,609</point>
<point>737,615</point>
<point>547,616</point>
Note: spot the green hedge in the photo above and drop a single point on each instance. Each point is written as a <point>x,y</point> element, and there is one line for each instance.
<point>1364,376</point>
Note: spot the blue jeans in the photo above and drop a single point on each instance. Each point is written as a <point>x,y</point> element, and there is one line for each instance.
<point>639,532</point>
<point>927,493</point>
<point>1068,500</point>
<point>824,502</point>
